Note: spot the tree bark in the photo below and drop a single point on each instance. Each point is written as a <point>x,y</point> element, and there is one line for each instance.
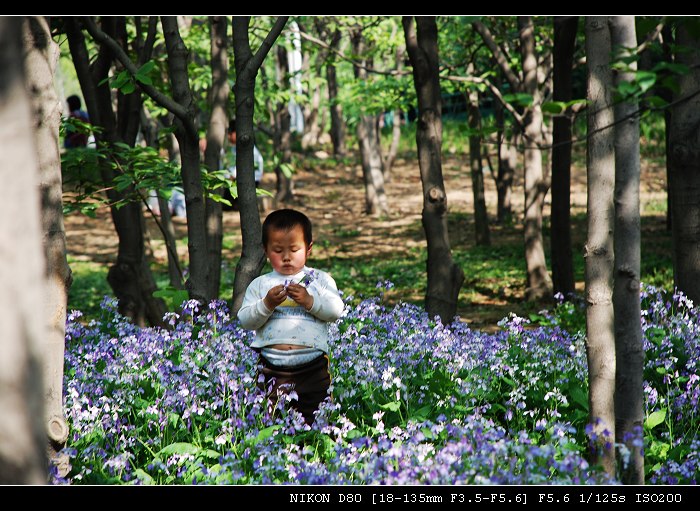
<point>186,133</point>
<point>247,65</point>
<point>41,57</point>
<point>539,284</point>
<point>666,94</point>
<point>165,224</point>
<point>396,126</point>
<point>337,121</point>
<point>481,219</point>
<point>507,162</point>
<point>22,273</point>
<point>216,133</point>
<point>444,276</point>
<point>376,202</point>
<point>598,251</point>
<point>629,347</point>
<point>565,28</point>
<point>130,277</point>
<point>684,168</point>
<point>282,138</point>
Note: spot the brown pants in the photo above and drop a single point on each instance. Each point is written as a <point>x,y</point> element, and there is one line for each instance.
<point>310,381</point>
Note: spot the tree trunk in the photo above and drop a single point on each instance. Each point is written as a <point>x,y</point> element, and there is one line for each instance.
<point>396,125</point>
<point>130,277</point>
<point>685,168</point>
<point>666,94</point>
<point>216,133</point>
<point>565,28</point>
<point>539,284</point>
<point>337,121</point>
<point>598,251</point>
<point>444,276</point>
<point>394,146</point>
<point>283,135</point>
<point>247,65</point>
<point>312,127</point>
<point>629,347</point>
<point>507,163</point>
<point>197,283</point>
<point>376,202</point>
<point>41,56</point>
<point>368,137</point>
<point>481,219</point>
<point>165,224</point>
<point>22,273</point>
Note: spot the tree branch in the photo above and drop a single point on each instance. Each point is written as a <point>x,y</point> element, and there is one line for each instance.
<point>475,79</point>
<point>157,96</point>
<point>501,60</point>
<point>256,60</point>
<point>652,35</point>
<point>354,62</point>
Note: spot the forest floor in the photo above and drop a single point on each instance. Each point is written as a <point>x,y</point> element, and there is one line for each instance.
<point>333,196</point>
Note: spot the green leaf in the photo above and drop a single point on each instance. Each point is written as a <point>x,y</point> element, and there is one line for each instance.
<point>553,107</point>
<point>645,80</point>
<point>144,79</point>
<point>421,414</point>
<point>128,88</point>
<point>211,454</point>
<point>680,69</point>
<point>266,433</point>
<point>143,476</point>
<point>394,406</point>
<point>579,396</point>
<point>121,79</point>
<point>179,448</point>
<point>656,102</point>
<point>287,170</point>
<point>655,419</point>
<point>519,98</point>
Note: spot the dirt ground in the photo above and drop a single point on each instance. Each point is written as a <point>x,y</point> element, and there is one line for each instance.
<point>333,197</point>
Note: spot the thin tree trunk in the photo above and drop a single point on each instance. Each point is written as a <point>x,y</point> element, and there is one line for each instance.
<point>375,195</point>
<point>667,94</point>
<point>598,251</point>
<point>539,284</point>
<point>444,276</point>
<point>507,162</point>
<point>41,57</point>
<point>216,133</point>
<point>481,219</point>
<point>376,202</point>
<point>685,168</point>
<point>337,121</point>
<point>396,126</point>
<point>22,273</point>
<point>197,283</point>
<point>394,146</point>
<point>565,28</point>
<point>282,135</point>
<point>629,347</point>
<point>247,65</point>
<point>175,276</point>
<point>130,277</point>
<point>312,127</point>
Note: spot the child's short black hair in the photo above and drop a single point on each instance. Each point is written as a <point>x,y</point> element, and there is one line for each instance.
<point>74,103</point>
<point>287,219</point>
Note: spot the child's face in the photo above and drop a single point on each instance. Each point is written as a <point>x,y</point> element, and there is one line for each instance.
<point>287,250</point>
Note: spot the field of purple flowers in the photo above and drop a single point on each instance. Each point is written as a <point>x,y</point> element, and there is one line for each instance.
<point>413,402</point>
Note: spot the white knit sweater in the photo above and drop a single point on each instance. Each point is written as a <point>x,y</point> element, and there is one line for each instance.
<point>290,323</point>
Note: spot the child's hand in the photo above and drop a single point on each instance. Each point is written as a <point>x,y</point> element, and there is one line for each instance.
<point>300,295</point>
<point>275,296</point>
